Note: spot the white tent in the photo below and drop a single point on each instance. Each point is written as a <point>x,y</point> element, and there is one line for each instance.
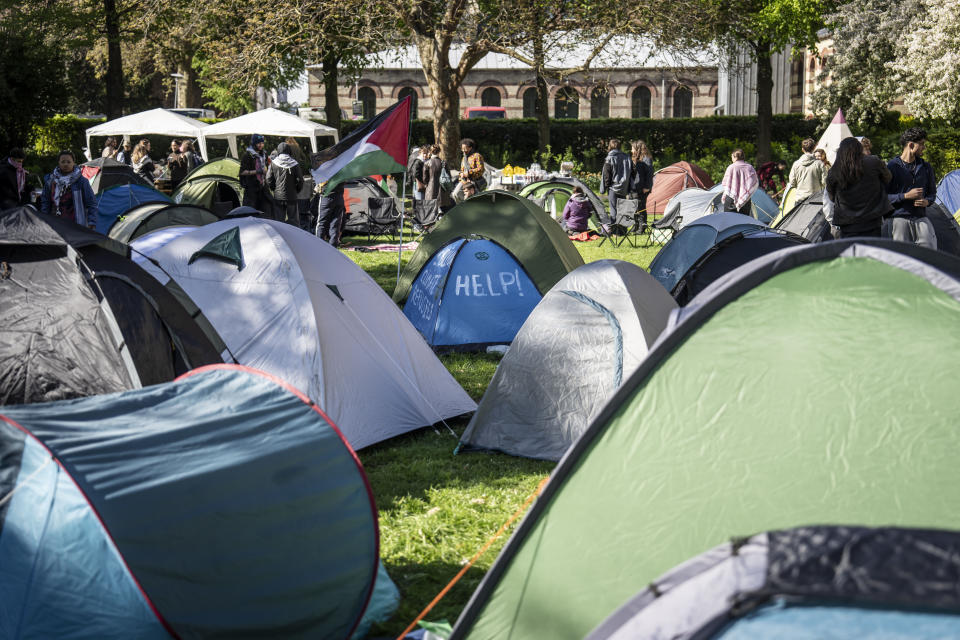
<point>586,336</point>
<point>295,307</point>
<point>155,121</point>
<point>837,131</point>
<point>267,122</point>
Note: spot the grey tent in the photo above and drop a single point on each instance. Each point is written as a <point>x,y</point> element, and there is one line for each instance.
<point>946,228</point>
<point>152,216</point>
<point>691,242</point>
<point>694,203</point>
<point>581,341</point>
<point>805,582</point>
<point>807,219</point>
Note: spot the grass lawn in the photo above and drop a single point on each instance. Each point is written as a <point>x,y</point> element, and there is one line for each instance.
<point>436,509</point>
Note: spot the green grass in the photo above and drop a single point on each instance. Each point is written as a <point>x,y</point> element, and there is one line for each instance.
<point>438,509</point>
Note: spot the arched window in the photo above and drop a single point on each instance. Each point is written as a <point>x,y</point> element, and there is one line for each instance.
<point>530,103</point>
<point>368,97</point>
<point>566,103</point>
<point>409,91</point>
<point>490,98</point>
<point>640,103</point>
<point>682,102</point>
<point>600,103</point>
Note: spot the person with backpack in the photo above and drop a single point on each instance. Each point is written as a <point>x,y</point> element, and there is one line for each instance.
<point>433,171</point>
<point>285,179</point>
<point>857,186</point>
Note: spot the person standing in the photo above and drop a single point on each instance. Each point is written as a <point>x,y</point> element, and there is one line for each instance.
<point>857,186</point>
<point>125,153</point>
<point>176,165</point>
<point>821,155</point>
<point>109,148</point>
<point>772,176</point>
<point>13,181</point>
<point>807,175</point>
<point>867,146</point>
<point>432,171</point>
<point>285,179</point>
<point>331,209</point>
<point>642,177</point>
<point>67,194</point>
<point>739,183</point>
<point>472,166</point>
<point>911,190</point>
<point>142,164</point>
<point>253,169</point>
<point>616,175</point>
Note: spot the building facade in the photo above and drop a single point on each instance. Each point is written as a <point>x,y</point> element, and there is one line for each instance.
<point>662,89</point>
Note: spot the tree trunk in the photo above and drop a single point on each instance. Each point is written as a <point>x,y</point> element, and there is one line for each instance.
<point>543,98</point>
<point>114,102</point>
<point>331,100</point>
<point>764,102</point>
<point>446,98</point>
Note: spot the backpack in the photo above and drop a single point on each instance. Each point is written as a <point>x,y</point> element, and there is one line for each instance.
<point>446,181</point>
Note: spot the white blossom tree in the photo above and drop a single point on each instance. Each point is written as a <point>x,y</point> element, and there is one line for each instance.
<point>927,67</point>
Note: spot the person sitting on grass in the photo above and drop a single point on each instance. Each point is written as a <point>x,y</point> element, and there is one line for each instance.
<point>576,214</point>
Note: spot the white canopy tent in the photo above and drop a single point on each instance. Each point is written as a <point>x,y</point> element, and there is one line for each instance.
<point>267,122</point>
<point>154,121</point>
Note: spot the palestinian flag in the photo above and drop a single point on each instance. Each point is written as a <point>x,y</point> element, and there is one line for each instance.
<point>379,146</point>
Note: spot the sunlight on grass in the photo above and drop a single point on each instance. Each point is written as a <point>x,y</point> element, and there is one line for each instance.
<point>438,509</point>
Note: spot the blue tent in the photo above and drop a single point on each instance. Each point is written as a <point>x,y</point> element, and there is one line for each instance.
<point>471,293</point>
<point>948,192</point>
<point>693,241</point>
<point>116,200</point>
<point>223,504</point>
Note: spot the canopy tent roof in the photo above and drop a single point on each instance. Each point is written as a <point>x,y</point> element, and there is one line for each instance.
<point>268,122</point>
<point>158,121</point>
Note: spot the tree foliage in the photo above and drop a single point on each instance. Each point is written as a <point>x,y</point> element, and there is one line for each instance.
<point>927,67</point>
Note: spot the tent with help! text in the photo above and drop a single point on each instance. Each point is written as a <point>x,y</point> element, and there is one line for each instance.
<point>520,232</point>
<point>718,434</point>
<point>224,504</point>
<point>587,335</point>
<point>290,304</point>
<point>471,294</point>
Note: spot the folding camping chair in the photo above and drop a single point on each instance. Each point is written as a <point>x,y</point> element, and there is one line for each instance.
<point>627,224</point>
<point>425,215</point>
<point>383,218</point>
<point>662,230</point>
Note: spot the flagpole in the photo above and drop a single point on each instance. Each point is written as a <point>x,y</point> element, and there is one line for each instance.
<point>403,205</point>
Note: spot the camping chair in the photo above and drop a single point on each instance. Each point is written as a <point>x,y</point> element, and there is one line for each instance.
<point>627,223</point>
<point>425,214</point>
<point>383,218</point>
<point>664,228</point>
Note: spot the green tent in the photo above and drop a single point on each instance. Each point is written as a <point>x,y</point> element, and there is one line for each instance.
<point>842,414</point>
<point>552,195</point>
<point>229,167</point>
<point>151,216</point>
<point>220,194</point>
<point>516,224</point>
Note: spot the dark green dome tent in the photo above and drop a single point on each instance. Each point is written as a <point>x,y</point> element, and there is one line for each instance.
<point>152,216</point>
<point>698,446</point>
<point>214,185</point>
<point>525,230</point>
<point>552,196</point>
<point>806,582</point>
<point>79,317</point>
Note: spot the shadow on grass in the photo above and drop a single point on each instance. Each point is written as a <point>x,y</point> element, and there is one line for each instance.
<point>419,584</point>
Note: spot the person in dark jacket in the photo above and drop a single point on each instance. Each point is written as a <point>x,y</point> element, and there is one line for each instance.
<point>285,179</point>
<point>642,177</point>
<point>857,186</point>
<point>331,209</point>
<point>432,170</point>
<point>66,193</point>
<point>911,190</point>
<point>617,175</point>
<point>576,213</point>
<point>13,181</point>
<point>253,171</point>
